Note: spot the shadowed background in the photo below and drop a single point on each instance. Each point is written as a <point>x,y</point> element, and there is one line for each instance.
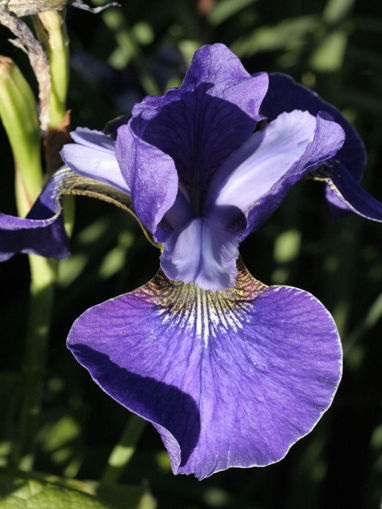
<point>118,57</point>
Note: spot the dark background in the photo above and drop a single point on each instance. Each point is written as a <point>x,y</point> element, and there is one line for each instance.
<point>117,58</point>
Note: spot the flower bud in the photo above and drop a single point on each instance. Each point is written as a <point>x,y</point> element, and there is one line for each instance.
<point>18,113</point>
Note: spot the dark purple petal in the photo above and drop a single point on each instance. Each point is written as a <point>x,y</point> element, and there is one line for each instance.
<point>355,197</point>
<point>336,205</point>
<point>203,254</point>
<point>42,231</point>
<point>229,379</point>
<point>150,174</point>
<point>286,95</point>
<point>178,215</point>
<point>202,122</point>
<point>93,155</point>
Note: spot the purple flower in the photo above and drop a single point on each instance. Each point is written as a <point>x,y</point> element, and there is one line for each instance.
<point>230,372</point>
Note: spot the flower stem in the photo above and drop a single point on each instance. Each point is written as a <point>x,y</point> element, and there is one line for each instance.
<point>51,32</point>
<point>124,449</point>
<point>43,276</point>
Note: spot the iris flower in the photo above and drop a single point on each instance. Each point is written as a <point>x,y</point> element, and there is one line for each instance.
<point>230,372</point>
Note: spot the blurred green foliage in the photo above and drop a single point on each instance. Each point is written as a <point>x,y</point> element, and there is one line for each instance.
<point>142,48</point>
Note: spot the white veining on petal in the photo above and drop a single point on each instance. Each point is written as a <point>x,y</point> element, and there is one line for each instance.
<point>202,312</point>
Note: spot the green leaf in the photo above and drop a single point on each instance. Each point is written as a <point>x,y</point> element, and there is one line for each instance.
<point>287,246</point>
<point>27,492</point>
<point>329,55</point>
<point>20,490</point>
<point>225,9</point>
<point>335,10</point>
<point>277,37</point>
<point>138,497</point>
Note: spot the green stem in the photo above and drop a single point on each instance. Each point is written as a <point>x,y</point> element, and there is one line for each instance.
<point>51,31</point>
<point>43,276</point>
<point>124,449</point>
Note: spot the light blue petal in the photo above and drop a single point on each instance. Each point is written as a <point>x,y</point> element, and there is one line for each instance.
<point>175,218</point>
<point>201,253</point>
<point>93,156</point>
<point>252,170</point>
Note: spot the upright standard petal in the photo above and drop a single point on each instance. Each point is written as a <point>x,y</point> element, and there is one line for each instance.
<point>201,123</point>
<point>229,379</point>
<point>93,156</point>
<point>256,177</point>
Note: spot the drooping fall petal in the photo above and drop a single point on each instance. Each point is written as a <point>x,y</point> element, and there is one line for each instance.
<point>227,378</point>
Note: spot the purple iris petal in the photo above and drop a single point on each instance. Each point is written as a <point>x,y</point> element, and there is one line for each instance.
<point>257,176</point>
<point>201,253</point>
<point>345,194</point>
<point>202,127</point>
<point>267,164</point>
<point>228,378</point>
<point>286,95</point>
<point>252,170</point>
<point>42,231</point>
<point>356,198</point>
<point>197,126</point>
<point>328,139</point>
<point>178,215</point>
<point>336,205</point>
<point>150,174</point>
<point>93,155</point>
